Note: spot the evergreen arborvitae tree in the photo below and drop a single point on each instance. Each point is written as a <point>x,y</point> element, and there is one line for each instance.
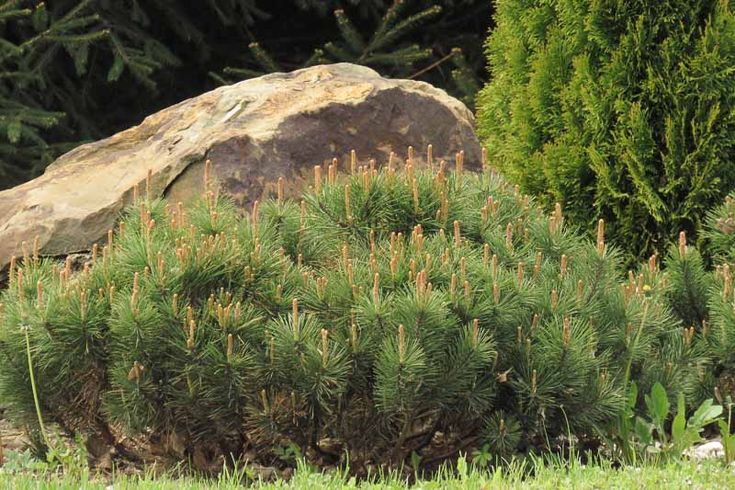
<point>620,110</point>
<point>382,309</point>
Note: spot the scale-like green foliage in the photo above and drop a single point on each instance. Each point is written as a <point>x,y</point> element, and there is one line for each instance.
<point>388,312</point>
<point>619,110</point>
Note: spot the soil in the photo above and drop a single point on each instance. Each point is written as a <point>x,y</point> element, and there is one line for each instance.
<point>140,458</point>
<point>11,438</point>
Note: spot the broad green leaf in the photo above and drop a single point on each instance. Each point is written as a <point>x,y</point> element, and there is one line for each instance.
<point>728,440</point>
<point>724,429</point>
<point>658,404</point>
<point>643,430</point>
<point>705,414</point>
<point>632,395</point>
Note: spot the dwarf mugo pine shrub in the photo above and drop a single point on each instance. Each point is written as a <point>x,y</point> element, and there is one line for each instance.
<point>388,312</point>
<point>719,231</point>
<point>702,297</point>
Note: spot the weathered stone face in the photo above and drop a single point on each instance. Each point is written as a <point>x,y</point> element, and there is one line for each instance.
<point>253,132</point>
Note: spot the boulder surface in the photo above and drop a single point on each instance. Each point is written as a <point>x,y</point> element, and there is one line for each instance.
<point>253,132</point>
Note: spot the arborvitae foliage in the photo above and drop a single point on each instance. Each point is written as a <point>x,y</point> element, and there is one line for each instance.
<point>620,110</point>
<point>76,70</point>
<point>388,312</point>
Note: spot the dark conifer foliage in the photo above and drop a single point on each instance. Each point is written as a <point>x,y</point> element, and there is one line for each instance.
<point>79,70</point>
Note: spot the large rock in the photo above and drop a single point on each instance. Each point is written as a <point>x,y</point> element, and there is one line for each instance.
<point>253,132</point>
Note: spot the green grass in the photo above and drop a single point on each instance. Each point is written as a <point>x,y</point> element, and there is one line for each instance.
<point>682,474</point>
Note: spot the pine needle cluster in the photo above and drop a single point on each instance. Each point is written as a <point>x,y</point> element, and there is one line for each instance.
<point>396,311</point>
<point>719,232</point>
<point>701,295</point>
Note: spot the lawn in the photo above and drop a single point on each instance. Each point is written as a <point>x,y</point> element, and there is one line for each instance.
<point>682,474</point>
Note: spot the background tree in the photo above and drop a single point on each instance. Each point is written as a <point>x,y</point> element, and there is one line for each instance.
<point>627,106</point>
<point>78,70</point>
